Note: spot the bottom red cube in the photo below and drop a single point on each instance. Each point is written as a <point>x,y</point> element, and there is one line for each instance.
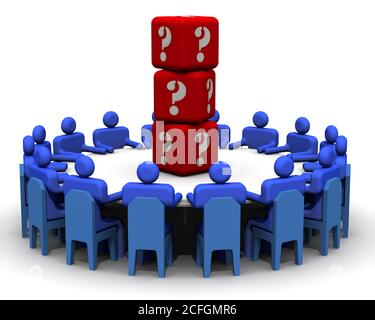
<point>185,149</point>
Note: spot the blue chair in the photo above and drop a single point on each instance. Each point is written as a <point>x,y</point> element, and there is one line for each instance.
<point>146,135</point>
<point>331,216</point>
<point>148,231</point>
<point>287,226</point>
<point>224,131</point>
<point>40,205</point>
<point>346,202</point>
<point>81,215</point>
<point>220,231</point>
<point>24,205</point>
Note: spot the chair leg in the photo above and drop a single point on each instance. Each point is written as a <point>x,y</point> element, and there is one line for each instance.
<point>207,263</point>
<point>92,253</point>
<point>236,262</point>
<point>345,220</point>
<point>298,252</point>
<point>160,256</point>
<point>132,257</point>
<point>112,242</point>
<point>32,236</point>
<point>324,239</point>
<point>255,244</point>
<point>24,221</point>
<point>336,237</point>
<point>70,251</point>
<point>276,255</point>
<point>44,233</point>
<point>228,257</point>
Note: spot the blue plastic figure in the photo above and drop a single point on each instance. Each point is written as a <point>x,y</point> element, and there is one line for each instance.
<point>330,134</point>
<point>148,173</point>
<point>224,131</point>
<point>146,134</point>
<point>258,137</point>
<point>98,189</point>
<point>72,143</point>
<point>220,172</point>
<point>298,143</point>
<point>113,137</point>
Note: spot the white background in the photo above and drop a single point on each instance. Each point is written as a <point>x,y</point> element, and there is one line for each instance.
<point>288,58</point>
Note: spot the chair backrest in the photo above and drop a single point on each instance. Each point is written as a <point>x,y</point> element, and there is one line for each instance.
<point>347,179</point>
<point>69,143</point>
<point>302,143</point>
<point>222,223</point>
<point>288,215</point>
<point>80,210</point>
<point>332,199</point>
<point>146,223</point>
<point>203,193</point>
<point>257,137</point>
<point>37,199</point>
<point>96,187</point>
<point>114,137</point>
<point>22,184</point>
<point>341,161</point>
<point>164,192</point>
<point>320,177</point>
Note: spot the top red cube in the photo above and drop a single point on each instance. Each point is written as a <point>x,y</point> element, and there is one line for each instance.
<point>185,43</point>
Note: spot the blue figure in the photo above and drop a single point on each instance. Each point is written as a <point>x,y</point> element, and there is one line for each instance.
<point>148,173</point>
<point>298,143</point>
<point>330,134</point>
<point>219,173</point>
<point>224,131</point>
<point>316,182</point>
<point>72,143</point>
<point>258,137</point>
<point>283,167</point>
<point>146,134</point>
<point>113,137</point>
<point>98,189</point>
<point>52,181</point>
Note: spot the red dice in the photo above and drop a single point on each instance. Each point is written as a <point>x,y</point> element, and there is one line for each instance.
<point>184,97</point>
<point>185,43</point>
<point>185,149</point>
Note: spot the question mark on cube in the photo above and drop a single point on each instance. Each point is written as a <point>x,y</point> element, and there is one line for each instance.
<point>166,35</point>
<point>203,41</point>
<point>167,146</point>
<point>210,89</point>
<point>179,95</point>
<point>204,142</point>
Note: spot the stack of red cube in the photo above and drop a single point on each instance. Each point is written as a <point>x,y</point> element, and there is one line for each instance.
<point>185,142</point>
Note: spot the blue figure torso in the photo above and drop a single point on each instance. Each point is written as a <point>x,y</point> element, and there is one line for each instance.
<point>324,144</point>
<point>45,144</point>
<point>341,161</point>
<point>164,192</point>
<point>204,192</point>
<point>270,190</point>
<point>257,137</point>
<point>116,138</point>
<point>302,143</point>
<point>69,143</point>
<point>28,162</point>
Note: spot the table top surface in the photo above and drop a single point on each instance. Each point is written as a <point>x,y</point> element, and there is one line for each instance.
<point>248,167</point>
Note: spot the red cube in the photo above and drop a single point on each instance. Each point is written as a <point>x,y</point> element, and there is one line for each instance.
<point>185,43</point>
<point>184,97</point>
<point>185,149</point>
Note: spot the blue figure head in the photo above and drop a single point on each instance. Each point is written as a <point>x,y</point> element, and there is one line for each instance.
<point>302,125</point>
<point>39,134</point>
<point>220,172</point>
<point>341,145</point>
<point>28,145</point>
<point>284,166</point>
<point>331,134</point>
<point>110,119</point>
<point>43,157</point>
<point>215,117</point>
<point>260,119</point>
<point>148,172</point>
<point>84,166</point>
<point>326,157</point>
<point>68,125</point>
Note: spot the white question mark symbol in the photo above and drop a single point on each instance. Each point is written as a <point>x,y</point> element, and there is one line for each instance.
<point>203,42</point>
<point>210,88</point>
<point>177,96</point>
<point>166,35</point>
<point>167,145</point>
<point>204,142</point>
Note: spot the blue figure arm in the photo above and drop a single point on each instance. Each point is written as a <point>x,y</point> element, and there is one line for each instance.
<point>114,197</point>
<point>306,176</point>
<point>93,149</point>
<point>238,144</point>
<point>177,198</point>
<point>72,155</point>
<point>65,157</point>
<point>107,148</point>
<point>303,156</point>
<point>254,197</point>
<point>261,149</point>
<point>190,197</point>
<point>59,167</point>
<point>277,149</point>
<point>62,176</point>
<point>133,144</point>
<point>311,166</point>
